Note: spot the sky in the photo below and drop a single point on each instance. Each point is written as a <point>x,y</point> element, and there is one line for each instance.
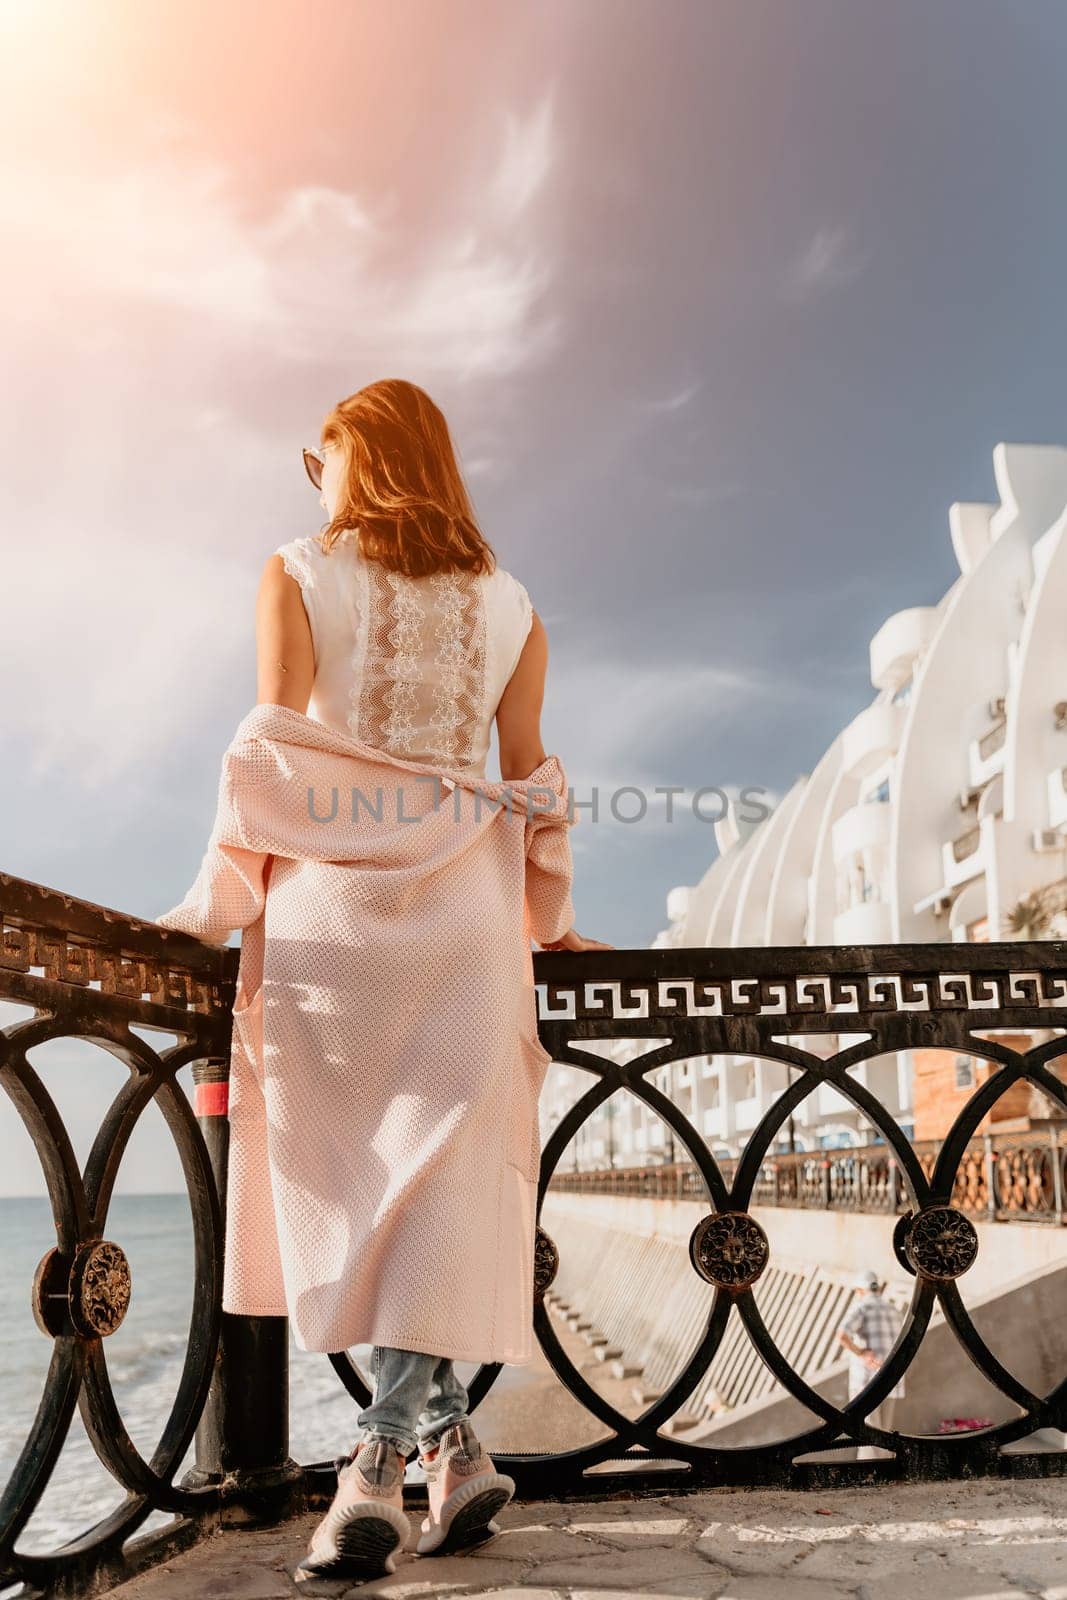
<point>726,302</point>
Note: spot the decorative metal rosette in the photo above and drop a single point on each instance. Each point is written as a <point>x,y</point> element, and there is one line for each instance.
<point>88,1295</point>
<point>939,1243</point>
<point>546,1262</point>
<point>729,1249</point>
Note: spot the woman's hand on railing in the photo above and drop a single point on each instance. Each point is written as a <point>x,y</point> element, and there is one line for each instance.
<point>572,940</point>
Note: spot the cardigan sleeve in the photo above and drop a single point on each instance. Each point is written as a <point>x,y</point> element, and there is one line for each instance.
<point>230,887</point>
<point>549,862</point>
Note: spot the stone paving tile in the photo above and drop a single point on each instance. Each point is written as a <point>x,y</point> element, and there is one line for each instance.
<point>708,1586</point>
<point>471,1573</point>
<point>535,1542</point>
<point>990,1540</point>
<point>639,1528</point>
<point>783,1589</point>
<point>1031,1565</point>
<point>184,1579</point>
<point>910,1536</point>
<point>949,1586</point>
<point>751,1558</point>
<point>523,1593</point>
<point>648,1568</point>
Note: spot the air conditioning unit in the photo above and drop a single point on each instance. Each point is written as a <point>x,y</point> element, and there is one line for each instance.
<point>1059,713</point>
<point>996,707</point>
<point>1045,839</point>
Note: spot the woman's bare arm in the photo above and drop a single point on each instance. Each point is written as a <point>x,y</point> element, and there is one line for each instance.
<point>518,716</point>
<point>518,724</point>
<point>285,654</point>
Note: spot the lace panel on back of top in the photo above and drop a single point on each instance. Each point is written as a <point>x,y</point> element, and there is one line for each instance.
<point>419,668</point>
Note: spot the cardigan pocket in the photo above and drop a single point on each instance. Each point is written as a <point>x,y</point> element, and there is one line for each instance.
<point>525,1153</point>
<point>248,1026</point>
<point>525,1144</point>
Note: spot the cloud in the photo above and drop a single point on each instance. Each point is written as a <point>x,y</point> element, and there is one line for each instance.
<point>165,336</point>
<point>666,706</point>
<point>527,158</point>
<point>317,274</point>
<point>829,260</point>
<point>675,402</point>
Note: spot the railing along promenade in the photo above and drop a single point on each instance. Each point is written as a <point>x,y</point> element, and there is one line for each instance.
<point>90,973</point>
<point>1001,1177</point>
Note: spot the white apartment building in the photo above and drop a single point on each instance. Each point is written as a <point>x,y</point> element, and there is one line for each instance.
<point>938,813</point>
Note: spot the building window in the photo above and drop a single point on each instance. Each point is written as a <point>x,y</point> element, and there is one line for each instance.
<point>854,885</point>
<point>881,793</point>
<point>964,1072</point>
<point>842,891</point>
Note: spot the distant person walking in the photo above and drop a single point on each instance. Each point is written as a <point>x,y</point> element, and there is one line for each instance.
<point>868,1333</point>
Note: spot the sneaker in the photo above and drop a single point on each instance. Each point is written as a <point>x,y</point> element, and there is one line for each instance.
<point>464,1490</point>
<point>366,1522</point>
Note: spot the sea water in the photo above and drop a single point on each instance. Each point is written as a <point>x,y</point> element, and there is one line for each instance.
<point>144,1358</point>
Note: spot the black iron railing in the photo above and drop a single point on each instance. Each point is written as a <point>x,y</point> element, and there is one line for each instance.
<point>1001,1177</point>
<point>91,973</point>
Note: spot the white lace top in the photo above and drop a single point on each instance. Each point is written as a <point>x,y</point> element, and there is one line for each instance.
<point>415,666</point>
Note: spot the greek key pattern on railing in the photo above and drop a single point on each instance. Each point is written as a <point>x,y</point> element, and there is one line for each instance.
<point>804,995</point>
<point>74,943</point>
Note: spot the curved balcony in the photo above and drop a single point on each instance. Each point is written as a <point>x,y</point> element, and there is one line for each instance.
<point>869,922</point>
<point>898,642</point>
<point>747,1113</point>
<point>871,738</point>
<point>963,857</point>
<point>862,827</point>
<point>985,755</point>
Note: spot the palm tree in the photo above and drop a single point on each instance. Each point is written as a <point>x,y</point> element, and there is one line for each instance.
<point>1031,917</point>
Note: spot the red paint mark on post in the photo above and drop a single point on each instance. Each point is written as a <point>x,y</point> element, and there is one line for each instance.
<point>211,1099</point>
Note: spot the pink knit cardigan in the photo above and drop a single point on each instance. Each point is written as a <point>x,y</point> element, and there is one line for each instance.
<point>386,1068</point>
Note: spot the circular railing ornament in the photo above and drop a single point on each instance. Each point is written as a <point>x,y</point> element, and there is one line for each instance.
<point>88,1295</point>
<point>729,1249</point>
<point>546,1262</point>
<point>900,1234</point>
<point>940,1243</point>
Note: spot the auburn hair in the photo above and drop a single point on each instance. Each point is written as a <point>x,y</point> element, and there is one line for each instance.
<point>402,492</point>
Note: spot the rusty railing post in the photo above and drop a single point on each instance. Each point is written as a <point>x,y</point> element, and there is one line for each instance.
<point>242,1438</point>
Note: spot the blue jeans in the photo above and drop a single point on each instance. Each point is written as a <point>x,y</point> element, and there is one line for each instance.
<point>416,1397</point>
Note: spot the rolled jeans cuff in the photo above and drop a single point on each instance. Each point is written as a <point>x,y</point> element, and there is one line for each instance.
<point>416,1397</point>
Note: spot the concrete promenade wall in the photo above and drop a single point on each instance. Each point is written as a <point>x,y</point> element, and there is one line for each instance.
<point>844,1241</point>
<point>1016,1293</point>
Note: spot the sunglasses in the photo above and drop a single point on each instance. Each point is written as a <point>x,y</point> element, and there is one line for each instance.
<point>313,465</point>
